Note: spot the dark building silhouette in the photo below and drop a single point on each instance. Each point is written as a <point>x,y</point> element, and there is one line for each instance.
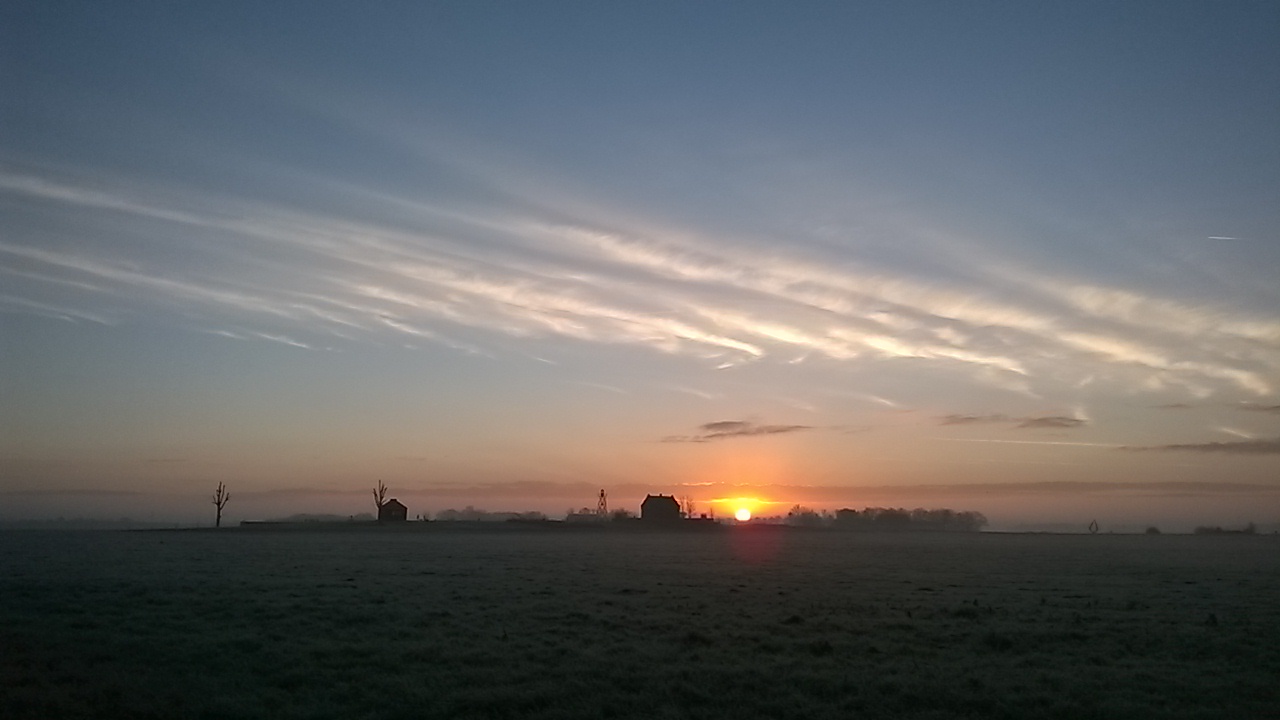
<point>660,508</point>
<point>393,511</point>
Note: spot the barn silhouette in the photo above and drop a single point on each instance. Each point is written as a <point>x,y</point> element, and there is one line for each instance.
<point>393,511</point>
<point>660,508</point>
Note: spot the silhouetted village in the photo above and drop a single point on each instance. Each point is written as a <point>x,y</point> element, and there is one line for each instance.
<point>665,512</point>
<point>657,511</point>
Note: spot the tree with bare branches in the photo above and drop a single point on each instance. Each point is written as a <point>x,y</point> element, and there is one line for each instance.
<point>379,498</point>
<point>220,498</point>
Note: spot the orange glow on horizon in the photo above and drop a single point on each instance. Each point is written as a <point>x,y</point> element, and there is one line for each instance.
<point>735,506</point>
<point>748,467</point>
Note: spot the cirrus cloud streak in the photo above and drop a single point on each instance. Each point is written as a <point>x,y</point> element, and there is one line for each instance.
<point>421,273</point>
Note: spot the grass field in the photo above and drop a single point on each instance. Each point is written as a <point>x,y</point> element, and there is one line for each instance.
<point>525,623</point>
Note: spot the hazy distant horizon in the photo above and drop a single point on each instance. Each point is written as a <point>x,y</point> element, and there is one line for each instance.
<point>1172,507</point>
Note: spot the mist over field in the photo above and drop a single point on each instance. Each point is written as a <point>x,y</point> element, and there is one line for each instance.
<point>751,622</point>
<point>1117,507</point>
<point>1019,260</point>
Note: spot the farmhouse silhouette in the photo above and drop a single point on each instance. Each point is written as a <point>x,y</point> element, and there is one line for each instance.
<point>393,511</point>
<point>660,509</point>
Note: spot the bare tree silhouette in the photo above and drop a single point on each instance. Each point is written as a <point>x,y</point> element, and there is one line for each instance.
<point>220,498</point>
<point>379,497</point>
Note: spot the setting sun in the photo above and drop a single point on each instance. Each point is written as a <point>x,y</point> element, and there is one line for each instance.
<point>740,508</point>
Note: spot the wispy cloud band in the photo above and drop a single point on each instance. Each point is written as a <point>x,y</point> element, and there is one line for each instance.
<point>1235,447</point>
<point>314,278</point>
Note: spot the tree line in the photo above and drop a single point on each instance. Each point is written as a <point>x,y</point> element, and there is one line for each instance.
<point>879,518</point>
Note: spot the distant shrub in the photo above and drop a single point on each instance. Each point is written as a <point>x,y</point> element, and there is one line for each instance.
<point>1153,530</point>
<point>471,514</point>
<point>321,518</point>
<point>802,516</point>
<point>944,519</point>
<point>1249,529</point>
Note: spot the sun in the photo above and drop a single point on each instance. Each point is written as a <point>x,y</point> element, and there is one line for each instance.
<point>743,514</point>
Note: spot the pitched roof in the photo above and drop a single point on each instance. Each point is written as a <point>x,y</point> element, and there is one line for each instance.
<point>660,500</point>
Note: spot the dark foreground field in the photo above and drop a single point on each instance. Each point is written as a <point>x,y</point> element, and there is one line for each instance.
<point>558,625</point>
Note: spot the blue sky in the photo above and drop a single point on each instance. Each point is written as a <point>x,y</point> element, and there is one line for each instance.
<point>506,253</point>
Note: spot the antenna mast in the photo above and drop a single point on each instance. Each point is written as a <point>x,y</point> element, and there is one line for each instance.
<point>602,505</point>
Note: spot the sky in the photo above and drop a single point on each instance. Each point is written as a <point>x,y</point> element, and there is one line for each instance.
<point>1018,258</point>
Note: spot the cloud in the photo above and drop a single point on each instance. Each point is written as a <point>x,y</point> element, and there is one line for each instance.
<point>975,419</point>
<point>694,392</point>
<point>1236,432</point>
<point>1090,329</point>
<point>861,495</point>
<point>724,429</point>
<point>69,492</point>
<point>347,278</point>
<point>1031,442</point>
<point>1052,421</point>
<point>51,311</point>
<point>476,490</point>
<point>1237,447</point>
<point>1045,421</point>
<point>1255,407</point>
<point>724,426</point>
<point>600,386</point>
<point>541,265</point>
